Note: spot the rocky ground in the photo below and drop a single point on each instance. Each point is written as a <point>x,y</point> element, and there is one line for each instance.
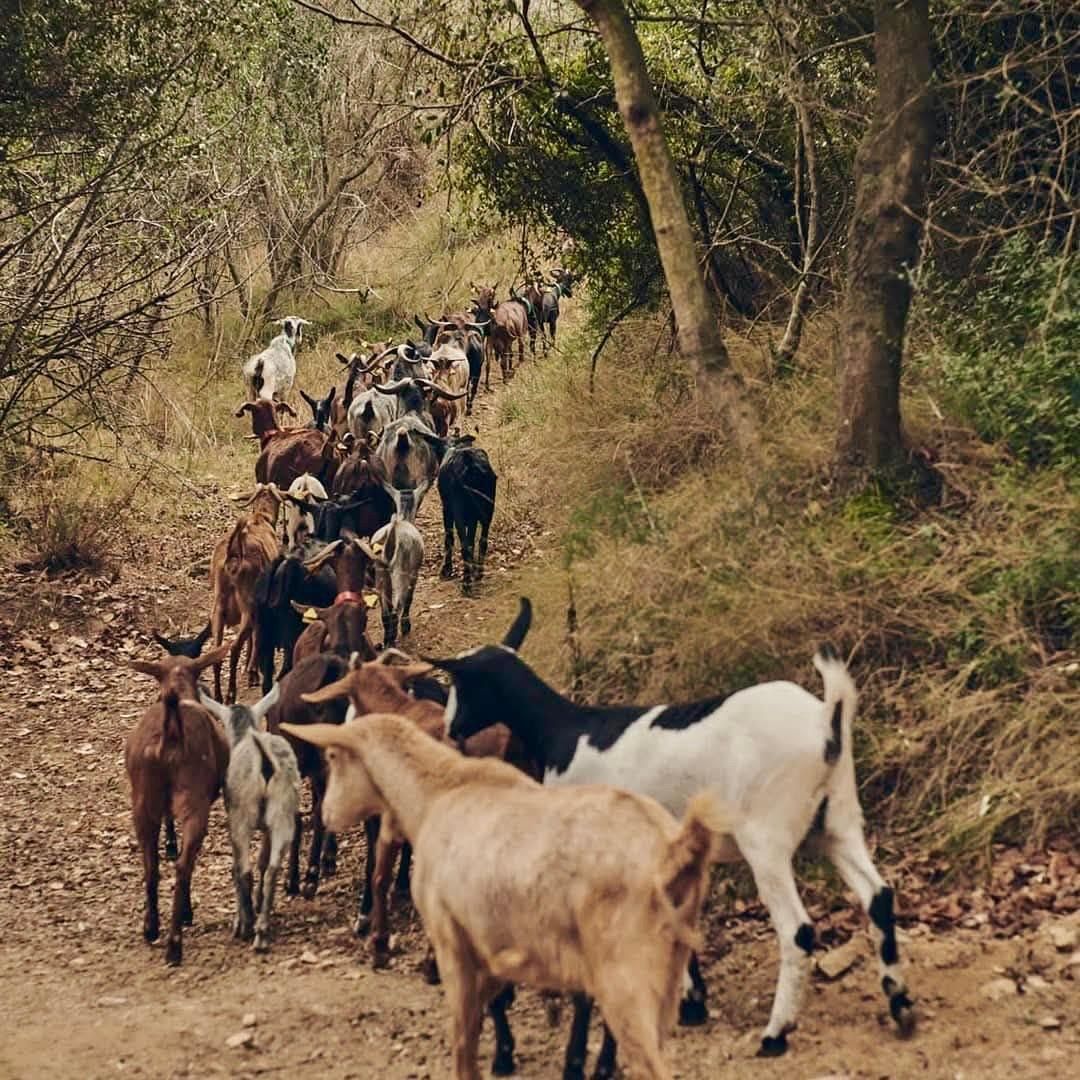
<point>995,968</point>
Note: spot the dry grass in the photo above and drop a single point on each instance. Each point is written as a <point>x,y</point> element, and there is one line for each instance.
<point>694,571</point>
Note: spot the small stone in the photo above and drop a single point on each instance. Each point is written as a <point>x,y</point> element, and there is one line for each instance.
<point>840,960</point>
<point>1049,1023</point>
<point>1064,936</point>
<point>998,989</point>
<point>249,1020</point>
<point>241,1038</point>
<point>109,1000</point>
<point>308,957</point>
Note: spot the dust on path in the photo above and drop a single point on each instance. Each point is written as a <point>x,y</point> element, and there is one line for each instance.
<point>82,996</point>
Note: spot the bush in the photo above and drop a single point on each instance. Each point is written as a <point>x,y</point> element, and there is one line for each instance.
<point>1005,355</point>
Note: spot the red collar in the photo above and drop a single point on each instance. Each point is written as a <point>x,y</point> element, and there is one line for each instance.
<point>348,598</point>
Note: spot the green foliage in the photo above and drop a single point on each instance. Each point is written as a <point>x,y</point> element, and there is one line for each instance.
<point>1006,353</point>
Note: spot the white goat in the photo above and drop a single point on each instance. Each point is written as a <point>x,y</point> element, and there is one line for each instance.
<point>776,753</point>
<point>270,374</point>
<point>397,550</point>
<point>262,791</point>
<point>300,525</point>
<point>586,889</point>
<point>370,412</point>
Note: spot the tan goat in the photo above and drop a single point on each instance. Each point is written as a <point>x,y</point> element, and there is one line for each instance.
<point>580,888</point>
<point>239,558</point>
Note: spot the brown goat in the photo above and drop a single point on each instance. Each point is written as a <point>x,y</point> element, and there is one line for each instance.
<point>377,687</point>
<point>264,416</point>
<point>340,628</point>
<point>287,453</point>
<point>238,560</point>
<point>176,758</point>
<point>509,323</point>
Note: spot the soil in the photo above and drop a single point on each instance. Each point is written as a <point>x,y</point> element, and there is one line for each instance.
<point>994,971</point>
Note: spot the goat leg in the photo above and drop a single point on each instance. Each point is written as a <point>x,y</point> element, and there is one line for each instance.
<point>292,880</point>
<point>171,850</point>
<point>447,570</point>
<point>366,887</point>
<point>386,850</point>
<point>401,886</point>
<point>503,1062</point>
<point>577,1046</point>
<point>148,841</point>
<point>318,832</point>
<point>329,855</point>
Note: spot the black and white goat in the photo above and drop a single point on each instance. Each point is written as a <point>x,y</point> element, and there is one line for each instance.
<point>262,791</point>
<point>777,754</point>
<point>270,374</point>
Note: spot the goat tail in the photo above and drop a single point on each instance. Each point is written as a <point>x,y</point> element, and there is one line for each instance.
<point>172,727</point>
<point>267,765</point>
<point>840,700</point>
<point>234,550</point>
<point>679,885</point>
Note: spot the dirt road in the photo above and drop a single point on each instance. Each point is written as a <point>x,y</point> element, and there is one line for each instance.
<point>84,997</point>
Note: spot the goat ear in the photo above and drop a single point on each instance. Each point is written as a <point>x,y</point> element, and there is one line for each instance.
<point>203,636</point>
<point>322,735</point>
<point>327,553</point>
<point>214,708</point>
<point>284,406</point>
<point>164,642</point>
<point>148,667</point>
<point>342,358</point>
<point>265,704</point>
<point>520,626</point>
<point>330,692</point>
<point>215,657</point>
<point>330,396</point>
<point>310,400</point>
<point>404,672</point>
<point>247,406</point>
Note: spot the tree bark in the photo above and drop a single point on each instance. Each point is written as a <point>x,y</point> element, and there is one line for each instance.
<point>696,316</point>
<point>883,244</point>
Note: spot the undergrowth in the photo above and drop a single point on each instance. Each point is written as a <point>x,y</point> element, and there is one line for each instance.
<point>695,572</point>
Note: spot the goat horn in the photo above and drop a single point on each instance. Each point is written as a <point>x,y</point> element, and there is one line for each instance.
<point>394,387</point>
<point>393,654</point>
<point>440,392</point>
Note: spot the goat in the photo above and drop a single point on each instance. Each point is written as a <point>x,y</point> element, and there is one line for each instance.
<point>237,561</point>
<point>264,416</point>
<point>452,374</point>
<point>299,519</point>
<point>356,368</point>
<point>278,626</point>
<point>377,686</point>
<point>548,301</point>
<point>531,316</point>
<point>409,453</point>
<point>287,455</point>
<point>262,791</point>
<point>774,750</point>
<point>176,759</point>
<point>321,410</point>
<point>518,884</point>
<point>397,550</point>
<point>461,330</point>
<point>269,374</point>
<point>340,627</point>
<point>466,484</point>
<point>369,413</point>
<point>308,676</point>
<point>509,323</point>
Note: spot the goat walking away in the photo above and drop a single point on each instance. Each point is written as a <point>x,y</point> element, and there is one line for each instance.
<point>518,884</point>
<point>176,758</point>
<point>397,550</point>
<point>466,483</point>
<point>262,791</point>
<point>780,754</point>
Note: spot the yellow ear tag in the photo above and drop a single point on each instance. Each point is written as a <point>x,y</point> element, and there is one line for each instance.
<point>310,615</point>
<point>371,599</point>
<point>377,547</point>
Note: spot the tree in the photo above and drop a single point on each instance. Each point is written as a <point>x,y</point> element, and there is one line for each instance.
<point>695,311</point>
<point>891,168</point>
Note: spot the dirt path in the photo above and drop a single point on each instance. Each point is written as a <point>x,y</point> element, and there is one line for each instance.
<point>83,997</point>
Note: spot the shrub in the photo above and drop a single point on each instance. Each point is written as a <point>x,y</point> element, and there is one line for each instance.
<point>1005,355</point>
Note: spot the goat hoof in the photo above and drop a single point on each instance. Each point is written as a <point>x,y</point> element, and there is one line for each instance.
<point>174,952</point>
<point>574,1072</point>
<point>773,1047</point>
<point>380,958</point>
<point>430,970</point>
<point>329,867</point>
<point>292,887</point>
<point>151,931</point>
<point>903,1012</point>
<point>406,627</point>
<point>172,852</point>
<point>446,572</point>
<point>262,944</point>
<point>603,1072</point>
<point>692,1012</point>
<point>309,890</point>
<point>362,925</point>
<point>503,1065</point>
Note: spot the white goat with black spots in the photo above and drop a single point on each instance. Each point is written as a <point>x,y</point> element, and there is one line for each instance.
<point>262,791</point>
<point>776,754</point>
<point>270,374</point>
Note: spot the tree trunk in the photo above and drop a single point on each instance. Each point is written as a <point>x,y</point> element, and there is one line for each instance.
<point>696,316</point>
<point>883,244</point>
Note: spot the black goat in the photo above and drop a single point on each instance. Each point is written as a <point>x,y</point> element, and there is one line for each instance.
<point>467,489</point>
<point>191,647</point>
<point>321,411</point>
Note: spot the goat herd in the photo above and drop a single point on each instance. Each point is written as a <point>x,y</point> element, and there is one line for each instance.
<point>556,845</point>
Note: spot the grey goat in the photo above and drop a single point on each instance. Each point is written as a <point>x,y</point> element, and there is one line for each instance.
<point>397,550</point>
<point>262,791</point>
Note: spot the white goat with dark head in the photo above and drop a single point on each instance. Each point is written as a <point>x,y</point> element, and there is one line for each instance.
<point>776,753</point>
<point>262,791</point>
<point>270,374</point>
<point>397,550</point>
